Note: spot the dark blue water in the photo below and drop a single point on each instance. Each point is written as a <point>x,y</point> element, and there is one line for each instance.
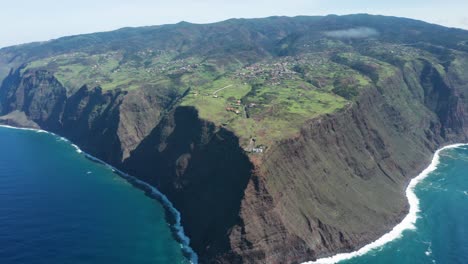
<point>441,233</point>
<point>58,207</point>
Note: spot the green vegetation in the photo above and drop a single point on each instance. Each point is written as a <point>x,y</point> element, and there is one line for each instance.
<point>377,70</point>
<point>212,106</point>
<point>262,110</point>
<point>116,70</point>
<point>267,101</point>
<point>246,75</point>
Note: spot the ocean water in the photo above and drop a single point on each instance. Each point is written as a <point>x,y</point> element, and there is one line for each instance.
<point>59,207</point>
<point>436,230</point>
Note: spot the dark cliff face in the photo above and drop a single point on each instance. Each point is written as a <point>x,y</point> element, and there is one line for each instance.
<point>108,124</point>
<point>95,114</point>
<point>443,100</point>
<point>202,170</point>
<point>38,94</point>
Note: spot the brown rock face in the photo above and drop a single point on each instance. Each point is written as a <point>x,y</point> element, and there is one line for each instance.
<point>336,186</point>
<point>108,124</point>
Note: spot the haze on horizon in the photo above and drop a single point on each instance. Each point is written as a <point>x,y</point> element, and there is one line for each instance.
<point>29,20</point>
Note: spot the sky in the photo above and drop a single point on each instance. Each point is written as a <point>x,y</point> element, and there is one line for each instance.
<point>24,21</point>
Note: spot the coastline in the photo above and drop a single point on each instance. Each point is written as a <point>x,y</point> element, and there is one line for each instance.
<point>408,223</point>
<point>152,191</point>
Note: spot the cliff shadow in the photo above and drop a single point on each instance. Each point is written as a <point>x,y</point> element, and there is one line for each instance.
<point>202,170</point>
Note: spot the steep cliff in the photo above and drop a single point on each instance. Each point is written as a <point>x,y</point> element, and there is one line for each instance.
<point>203,171</point>
<point>340,184</point>
<point>108,124</point>
<point>189,159</point>
<point>335,185</point>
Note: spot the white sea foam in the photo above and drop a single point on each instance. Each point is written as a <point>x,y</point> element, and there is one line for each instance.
<point>428,252</point>
<point>25,128</point>
<point>155,193</point>
<point>179,230</point>
<point>408,222</point>
<point>47,132</point>
<point>76,148</point>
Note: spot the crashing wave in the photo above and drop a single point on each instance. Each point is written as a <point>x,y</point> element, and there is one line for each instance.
<point>408,222</point>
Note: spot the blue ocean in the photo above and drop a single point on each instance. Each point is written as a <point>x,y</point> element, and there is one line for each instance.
<point>59,207</point>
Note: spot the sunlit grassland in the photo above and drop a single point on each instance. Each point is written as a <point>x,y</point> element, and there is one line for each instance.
<point>111,70</point>
<point>256,108</point>
<point>275,112</point>
<point>213,106</point>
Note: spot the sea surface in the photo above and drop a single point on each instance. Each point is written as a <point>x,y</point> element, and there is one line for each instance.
<point>59,207</point>
<point>440,234</point>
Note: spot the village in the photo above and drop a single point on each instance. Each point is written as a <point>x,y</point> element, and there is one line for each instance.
<point>176,67</point>
<point>272,74</point>
<point>286,68</point>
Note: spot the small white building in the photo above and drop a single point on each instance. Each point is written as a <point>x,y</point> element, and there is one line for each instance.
<point>257,150</point>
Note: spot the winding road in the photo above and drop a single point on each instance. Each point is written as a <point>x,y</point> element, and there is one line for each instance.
<point>225,87</point>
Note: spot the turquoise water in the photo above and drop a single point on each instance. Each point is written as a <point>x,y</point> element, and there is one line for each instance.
<point>58,207</point>
<point>441,233</point>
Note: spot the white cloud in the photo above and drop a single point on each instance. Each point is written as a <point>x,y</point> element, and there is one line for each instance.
<point>353,33</point>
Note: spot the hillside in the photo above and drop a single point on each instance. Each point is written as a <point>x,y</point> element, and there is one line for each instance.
<point>265,132</point>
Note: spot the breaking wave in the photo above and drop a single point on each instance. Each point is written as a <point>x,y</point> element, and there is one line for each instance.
<point>408,222</point>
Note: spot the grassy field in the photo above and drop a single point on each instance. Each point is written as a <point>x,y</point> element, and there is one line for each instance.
<point>115,70</point>
<point>267,101</point>
<point>262,111</point>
